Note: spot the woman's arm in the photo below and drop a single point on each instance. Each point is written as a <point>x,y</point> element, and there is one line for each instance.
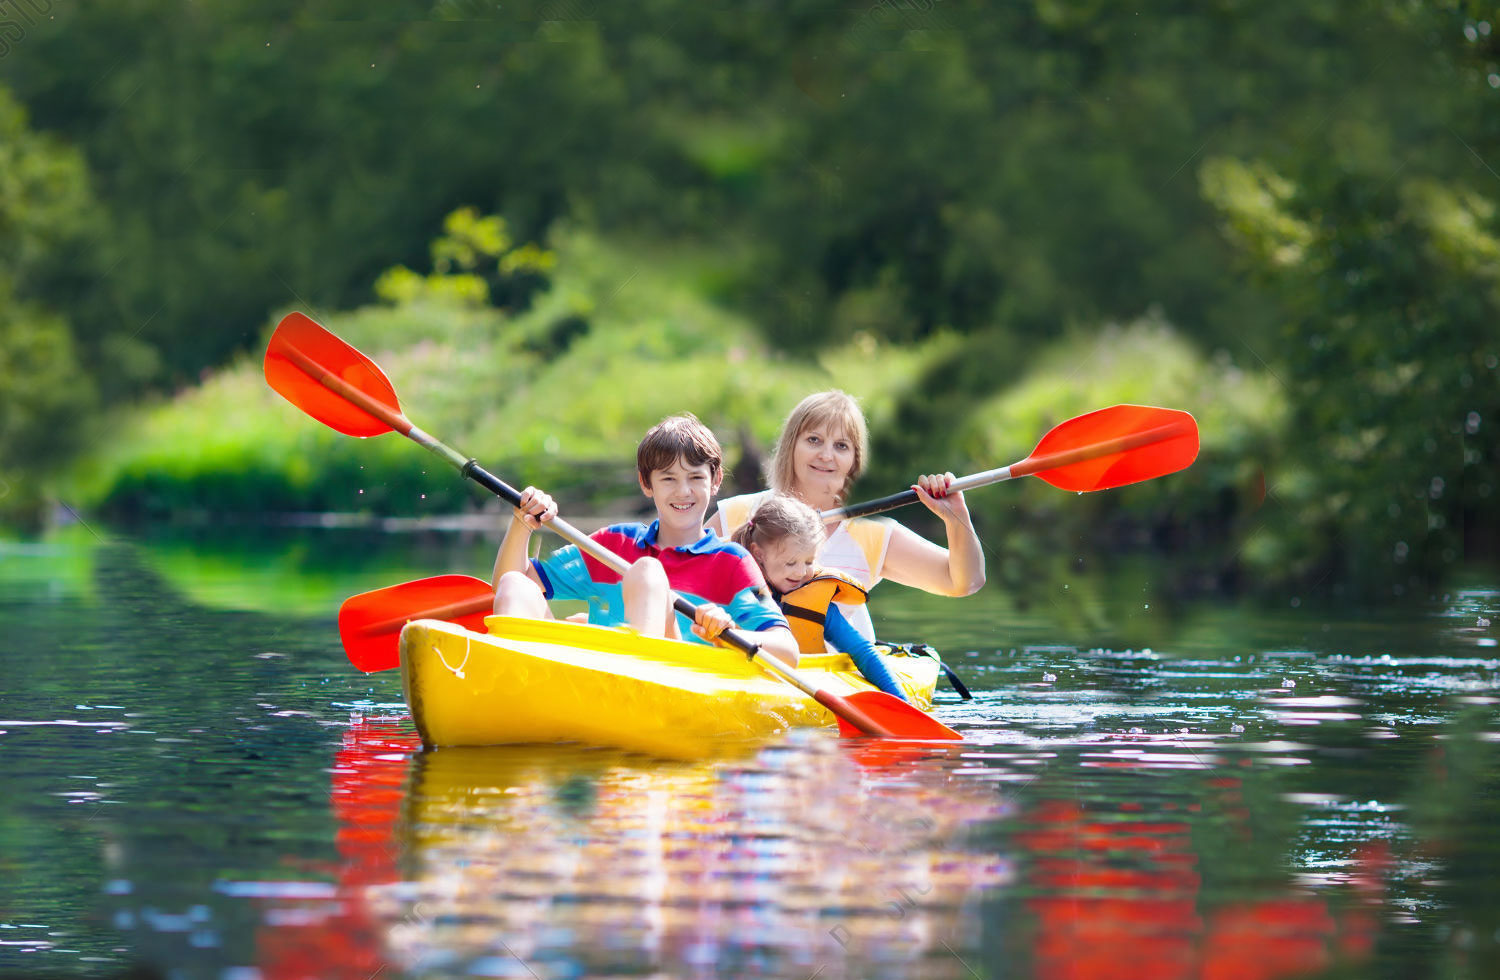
<point>957,570</point>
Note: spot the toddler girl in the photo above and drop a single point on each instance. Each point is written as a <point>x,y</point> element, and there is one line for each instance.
<point>783,536</point>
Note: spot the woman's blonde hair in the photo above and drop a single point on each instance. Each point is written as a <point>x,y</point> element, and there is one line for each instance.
<point>780,516</point>
<point>831,409</point>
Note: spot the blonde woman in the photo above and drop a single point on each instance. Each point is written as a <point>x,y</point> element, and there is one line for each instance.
<point>819,454</point>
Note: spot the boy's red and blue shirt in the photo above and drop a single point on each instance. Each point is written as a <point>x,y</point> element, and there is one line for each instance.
<point>708,570</point>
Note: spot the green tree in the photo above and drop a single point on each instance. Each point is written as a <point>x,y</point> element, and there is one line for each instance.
<point>45,398</point>
<point>1390,290</point>
<point>256,154</point>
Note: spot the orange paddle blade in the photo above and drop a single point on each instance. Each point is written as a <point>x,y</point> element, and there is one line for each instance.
<point>1114,447</point>
<point>897,717</point>
<point>331,381</point>
<point>370,623</point>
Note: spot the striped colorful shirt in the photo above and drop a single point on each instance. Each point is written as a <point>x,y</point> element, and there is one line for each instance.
<point>709,570</point>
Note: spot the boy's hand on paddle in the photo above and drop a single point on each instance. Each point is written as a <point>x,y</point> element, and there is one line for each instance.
<point>932,490</point>
<point>535,508</point>
<point>710,621</point>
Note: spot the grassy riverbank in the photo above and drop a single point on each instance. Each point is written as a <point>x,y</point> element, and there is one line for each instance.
<point>558,396</point>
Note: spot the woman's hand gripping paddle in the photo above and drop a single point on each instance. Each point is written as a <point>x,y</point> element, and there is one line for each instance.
<point>342,388</point>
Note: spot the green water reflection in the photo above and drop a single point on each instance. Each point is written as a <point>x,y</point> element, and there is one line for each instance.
<point>196,783</point>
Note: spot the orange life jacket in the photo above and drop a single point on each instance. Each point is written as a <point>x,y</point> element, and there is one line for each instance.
<point>806,607</point>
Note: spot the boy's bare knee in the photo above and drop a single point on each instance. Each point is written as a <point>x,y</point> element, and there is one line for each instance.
<point>517,595</point>
<point>512,581</point>
<point>645,590</point>
<point>645,572</point>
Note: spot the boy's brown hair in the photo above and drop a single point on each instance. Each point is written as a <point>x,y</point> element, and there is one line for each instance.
<point>678,437</point>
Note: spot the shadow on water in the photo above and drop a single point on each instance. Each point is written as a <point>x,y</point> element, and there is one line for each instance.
<point>199,788</point>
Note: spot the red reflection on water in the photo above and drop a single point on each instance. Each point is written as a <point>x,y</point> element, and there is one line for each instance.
<point>341,940</point>
<point>1123,903</point>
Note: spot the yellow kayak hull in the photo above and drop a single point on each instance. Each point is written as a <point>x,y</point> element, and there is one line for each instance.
<point>528,680</point>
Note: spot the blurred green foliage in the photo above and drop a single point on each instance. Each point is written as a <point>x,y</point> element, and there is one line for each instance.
<point>47,398</point>
<point>1392,377</point>
<point>556,396</point>
<point>941,204</point>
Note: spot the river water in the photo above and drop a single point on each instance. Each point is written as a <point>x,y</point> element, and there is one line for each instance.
<point>196,784</point>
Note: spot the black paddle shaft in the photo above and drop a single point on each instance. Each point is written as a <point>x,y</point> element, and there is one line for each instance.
<point>877,506</point>
<point>473,471</point>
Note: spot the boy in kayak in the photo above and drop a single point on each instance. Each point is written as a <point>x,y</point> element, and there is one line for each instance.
<point>679,465</point>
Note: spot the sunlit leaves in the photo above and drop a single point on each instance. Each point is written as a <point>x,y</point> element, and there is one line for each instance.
<point>475,263</point>
<point>1253,199</point>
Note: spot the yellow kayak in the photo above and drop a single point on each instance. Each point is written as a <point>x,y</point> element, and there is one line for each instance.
<point>528,680</point>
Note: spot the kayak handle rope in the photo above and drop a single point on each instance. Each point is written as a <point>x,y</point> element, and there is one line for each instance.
<point>459,670</point>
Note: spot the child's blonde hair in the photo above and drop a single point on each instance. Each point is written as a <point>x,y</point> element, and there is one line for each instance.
<point>831,409</point>
<point>780,516</point>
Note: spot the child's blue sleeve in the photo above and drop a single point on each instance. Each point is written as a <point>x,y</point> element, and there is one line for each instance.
<point>754,611</point>
<point>846,639</point>
<point>564,574</point>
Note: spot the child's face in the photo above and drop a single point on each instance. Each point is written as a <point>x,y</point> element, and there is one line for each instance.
<point>821,460</point>
<point>682,493</point>
<point>787,563</point>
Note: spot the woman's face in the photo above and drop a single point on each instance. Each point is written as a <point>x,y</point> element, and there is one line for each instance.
<point>821,460</point>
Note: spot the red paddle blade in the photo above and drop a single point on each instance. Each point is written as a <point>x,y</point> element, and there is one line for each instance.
<point>301,354</point>
<point>1114,447</point>
<point>370,623</point>
<point>897,717</point>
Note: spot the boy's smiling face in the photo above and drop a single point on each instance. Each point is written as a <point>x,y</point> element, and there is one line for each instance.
<point>682,493</point>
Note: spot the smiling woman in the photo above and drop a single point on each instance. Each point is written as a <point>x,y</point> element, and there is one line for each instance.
<point>818,456</point>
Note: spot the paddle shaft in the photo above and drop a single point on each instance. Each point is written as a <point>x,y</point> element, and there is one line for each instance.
<point>381,411</point>
<point>466,465</point>
<point>1026,467</point>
